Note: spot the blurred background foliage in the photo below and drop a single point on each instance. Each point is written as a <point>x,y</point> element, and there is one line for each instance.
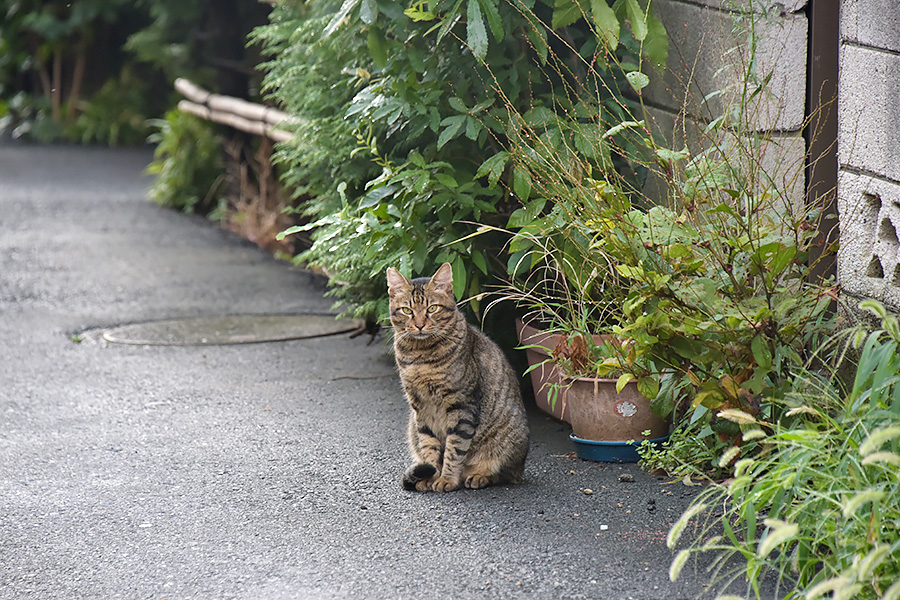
<point>95,71</point>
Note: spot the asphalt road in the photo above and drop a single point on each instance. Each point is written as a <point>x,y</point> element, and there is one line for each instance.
<point>254,471</point>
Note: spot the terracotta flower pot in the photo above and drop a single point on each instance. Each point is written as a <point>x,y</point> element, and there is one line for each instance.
<point>597,412</point>
<point>546,378</point>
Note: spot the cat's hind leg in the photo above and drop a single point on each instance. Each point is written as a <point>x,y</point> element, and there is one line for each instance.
<point>488,469</point>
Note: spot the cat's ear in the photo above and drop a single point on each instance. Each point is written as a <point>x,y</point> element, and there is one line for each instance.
<point>443,279</point>
<point>396,281</point>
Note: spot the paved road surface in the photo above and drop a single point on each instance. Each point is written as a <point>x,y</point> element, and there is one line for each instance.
<point>256,471</point>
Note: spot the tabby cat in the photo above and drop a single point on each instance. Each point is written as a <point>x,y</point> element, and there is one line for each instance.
<point>467,424</point>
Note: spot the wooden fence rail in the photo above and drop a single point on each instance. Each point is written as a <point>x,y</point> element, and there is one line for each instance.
<point>234,112</point>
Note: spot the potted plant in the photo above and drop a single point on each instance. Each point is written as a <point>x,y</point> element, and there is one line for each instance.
<point>692,262</point>
<point>610,413</point>
<point>564,295</point>
<point>581,372</point>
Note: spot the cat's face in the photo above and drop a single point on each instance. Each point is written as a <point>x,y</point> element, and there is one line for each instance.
<point>422,307</point>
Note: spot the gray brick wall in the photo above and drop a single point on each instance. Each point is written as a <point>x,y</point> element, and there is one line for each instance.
<point>869,149</point>
<point>707,52</point>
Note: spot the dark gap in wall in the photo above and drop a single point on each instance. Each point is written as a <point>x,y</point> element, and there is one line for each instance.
<point>875,269</point>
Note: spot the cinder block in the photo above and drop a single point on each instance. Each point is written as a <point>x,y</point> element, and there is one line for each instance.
<point>868,261</point>
<point>778,159</point>
<point>868,121</point>
<point>772,7</point>
<point>708,51</point>
<point>871,23</point>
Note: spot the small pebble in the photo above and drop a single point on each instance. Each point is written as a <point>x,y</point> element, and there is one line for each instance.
<point>588,491</point>
<point>626,478</point>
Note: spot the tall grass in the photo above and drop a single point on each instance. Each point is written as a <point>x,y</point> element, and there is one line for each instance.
<point>817,507</point>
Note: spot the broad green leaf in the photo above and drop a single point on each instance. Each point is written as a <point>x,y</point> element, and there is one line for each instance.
<point>522,184</point>
<point>565,13</point>
<point>781,259</point>
<point>476,34</point>
<point>457,104</point>
<point>479,261</point>
<point>605,22</point>
<point>631,272</point>
<point>525,216</point>
<point>376,195</point>
<point>656,44</point>
<point>368,11</point>
<point>678,251</point>
<point>537,35</point>
<point>622,127</point>
<point>539,116</point>
<point>452,127</point>
<point>761,352</point>
<point>416,158</point>
<point>446,180</point>
<point>687,348</point>
<point>648,387</point>
<point>622,381</point>
<point>377,46</point>
<point>518,263</point>
<point>493,167</point>
<point>637,80</point>
<point>672,155</point>
<point>489,8</point>
<point>638,19</point>
<point>339,17</point>
<point>473,128</point>
<point>519,218</point>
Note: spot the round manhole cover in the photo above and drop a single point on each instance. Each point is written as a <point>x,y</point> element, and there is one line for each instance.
<point>239,329</point>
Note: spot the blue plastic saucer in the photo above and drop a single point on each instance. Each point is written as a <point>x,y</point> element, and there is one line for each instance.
<point>625,452</point>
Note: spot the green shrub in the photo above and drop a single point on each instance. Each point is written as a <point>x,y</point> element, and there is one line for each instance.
<point>187,163</point>
<point>408,117</point>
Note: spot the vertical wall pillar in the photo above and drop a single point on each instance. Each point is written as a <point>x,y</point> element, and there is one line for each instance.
<point>822,130</point>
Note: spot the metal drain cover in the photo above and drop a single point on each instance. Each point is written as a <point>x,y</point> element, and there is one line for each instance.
<point>238,329</point>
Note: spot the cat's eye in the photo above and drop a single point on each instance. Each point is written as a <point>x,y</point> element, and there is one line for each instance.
<point>405,310</point>
<point>434,308</point>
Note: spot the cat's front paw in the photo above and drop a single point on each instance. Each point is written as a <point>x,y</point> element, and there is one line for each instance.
<point>426,485</point>
<point>476,481</point>
<point>443,484</point>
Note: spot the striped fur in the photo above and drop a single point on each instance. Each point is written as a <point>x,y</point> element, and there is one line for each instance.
<point>467,424</point>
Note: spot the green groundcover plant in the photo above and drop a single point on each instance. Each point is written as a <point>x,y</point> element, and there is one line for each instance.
<point>816,506</point>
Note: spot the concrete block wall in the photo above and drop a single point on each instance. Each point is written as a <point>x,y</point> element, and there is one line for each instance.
<point>869,149</point>
<point>708,48</point>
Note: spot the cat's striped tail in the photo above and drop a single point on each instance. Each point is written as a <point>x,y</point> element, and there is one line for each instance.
<point>416,473</point>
